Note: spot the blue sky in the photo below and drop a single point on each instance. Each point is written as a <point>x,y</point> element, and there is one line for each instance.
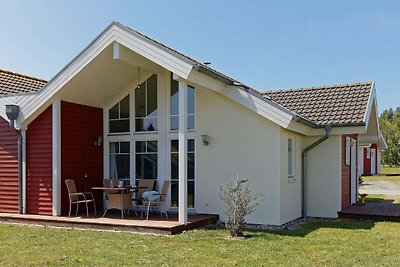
<point>265,44</point>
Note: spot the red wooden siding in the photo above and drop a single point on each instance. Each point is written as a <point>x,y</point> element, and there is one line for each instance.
<point>80,125</point>
<point>346,173</point>
<point>39,165</point>
<point>8,168</point>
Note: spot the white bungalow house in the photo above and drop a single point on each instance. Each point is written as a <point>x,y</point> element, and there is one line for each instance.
<point>129,107</point>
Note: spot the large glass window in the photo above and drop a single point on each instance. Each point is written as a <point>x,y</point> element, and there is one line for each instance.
<point>146,160</point>
<point>119,160</point>
<point>146,106</point>
<point>175,172</point>
<point>118,117</point>
<point>174,106</point>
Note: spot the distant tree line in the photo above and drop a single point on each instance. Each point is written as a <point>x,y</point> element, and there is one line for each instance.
<point>389,122</point>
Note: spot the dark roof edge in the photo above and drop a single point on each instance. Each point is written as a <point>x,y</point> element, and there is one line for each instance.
<point>317,87</point>
<point>214,75</point>
<point>253,92</point>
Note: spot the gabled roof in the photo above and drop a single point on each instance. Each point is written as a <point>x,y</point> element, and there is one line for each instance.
<point>194,62</point>
<point>337,105</point>
<point>315,107</point>
<point>183,66</point>
<point>12,83</point>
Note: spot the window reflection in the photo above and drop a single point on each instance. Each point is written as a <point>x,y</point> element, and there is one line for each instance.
<point>174,106</point>
<point>118,117</point>
<point>119,160</point>
<point>146,109</point>
<point>175,172</point>
<point>146,160</point>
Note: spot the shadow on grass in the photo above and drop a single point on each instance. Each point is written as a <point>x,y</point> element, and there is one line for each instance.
<point>307,228</point>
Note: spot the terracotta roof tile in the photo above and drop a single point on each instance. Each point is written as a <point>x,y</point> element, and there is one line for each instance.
<point>14,83</point>
<point>326,105</point>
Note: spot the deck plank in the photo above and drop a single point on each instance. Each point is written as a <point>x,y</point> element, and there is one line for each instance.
<point>155,224</point>
<point>372,211</point>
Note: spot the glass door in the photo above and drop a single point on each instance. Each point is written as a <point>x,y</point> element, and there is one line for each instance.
<point>175,173</point>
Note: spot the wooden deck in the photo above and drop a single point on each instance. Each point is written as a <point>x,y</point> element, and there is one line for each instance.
<point>372,211</point>
<point>155,224</point>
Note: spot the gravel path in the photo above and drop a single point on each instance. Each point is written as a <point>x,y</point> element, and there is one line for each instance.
<point>381,188</point>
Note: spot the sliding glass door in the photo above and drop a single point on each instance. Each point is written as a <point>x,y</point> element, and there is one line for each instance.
<point>175,172</point>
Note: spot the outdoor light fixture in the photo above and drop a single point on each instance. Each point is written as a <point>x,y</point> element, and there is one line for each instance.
<point>206,139</point>
<point>98,141</point>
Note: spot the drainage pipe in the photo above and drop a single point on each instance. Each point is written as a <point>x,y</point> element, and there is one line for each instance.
<point>19,136</point>
<point>304,166</point>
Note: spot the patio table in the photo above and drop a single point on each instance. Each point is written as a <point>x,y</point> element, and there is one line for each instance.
<point>120,199</point>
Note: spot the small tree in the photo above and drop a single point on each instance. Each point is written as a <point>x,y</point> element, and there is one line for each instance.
<point>240,202</point>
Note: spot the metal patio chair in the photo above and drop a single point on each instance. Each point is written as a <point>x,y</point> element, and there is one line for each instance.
<point>152,199</point>
<point>79,197</point>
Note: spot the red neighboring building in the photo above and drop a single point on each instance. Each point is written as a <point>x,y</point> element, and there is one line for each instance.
<point>80,158</point>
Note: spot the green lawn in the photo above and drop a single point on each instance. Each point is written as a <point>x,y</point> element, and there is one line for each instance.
<point>390,170</point>
<point>339,243</point>
<point>382,198</point>
<point>385,170</point>
<point>393,179</point>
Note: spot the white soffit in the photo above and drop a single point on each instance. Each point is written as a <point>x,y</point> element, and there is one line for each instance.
<point>153,51</point>
<point>115,32</point>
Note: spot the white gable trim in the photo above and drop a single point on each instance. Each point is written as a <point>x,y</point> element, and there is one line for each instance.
<point>371,102</point>
<point>113,33</point>
<point>254,103</point>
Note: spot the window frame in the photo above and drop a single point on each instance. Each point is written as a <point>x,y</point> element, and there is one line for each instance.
<point>194,180</point>
<point>135,118</point>
<point>119,153</point>
<point>135,153</point>
<point>169,109</point>
<point>119,116</point>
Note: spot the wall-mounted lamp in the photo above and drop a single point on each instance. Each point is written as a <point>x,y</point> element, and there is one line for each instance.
<point>98,141</point>
<point>206,139</point>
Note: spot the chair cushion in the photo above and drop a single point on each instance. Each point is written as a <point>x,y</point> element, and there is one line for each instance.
<point>151,196</point>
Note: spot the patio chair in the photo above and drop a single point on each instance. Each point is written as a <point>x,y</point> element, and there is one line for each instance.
<point>152,198</point>
<point>143,186</point>
<point>86,197</point>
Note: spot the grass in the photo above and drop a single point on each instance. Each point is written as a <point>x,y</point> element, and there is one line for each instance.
<point>341,243</point>
<point>385,171</point>
<point>382,199</point>
<point>390,170</point>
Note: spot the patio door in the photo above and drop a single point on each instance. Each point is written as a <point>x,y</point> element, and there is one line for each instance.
<point>174,171</point>
<point>353,173</point>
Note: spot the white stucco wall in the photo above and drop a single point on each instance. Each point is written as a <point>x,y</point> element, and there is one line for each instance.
<point>379,162</point>
<point>290,196</point>
<point>241,142</point>
<point>324,178</point>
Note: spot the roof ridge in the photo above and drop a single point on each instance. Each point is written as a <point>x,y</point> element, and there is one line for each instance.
<point>22,75</point>
<point>176,51</point>
<point>317,87</point>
